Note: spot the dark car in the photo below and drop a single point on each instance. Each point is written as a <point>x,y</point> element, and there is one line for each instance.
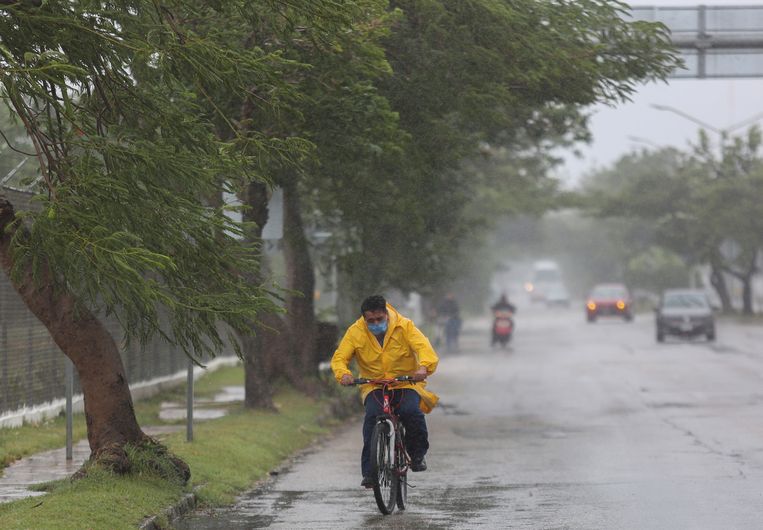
<point>609,299</point>
<point>685,313</point>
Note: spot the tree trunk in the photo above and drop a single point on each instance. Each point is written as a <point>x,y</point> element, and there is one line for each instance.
<point>109,412</point>
<point>746,279</point>
<point>300,280</point>
<point>347,305</point>
<point>719,284</point>
<point>257,390</point>
<point>747,295</point>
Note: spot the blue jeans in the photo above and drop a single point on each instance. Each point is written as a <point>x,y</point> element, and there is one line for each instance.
<point>452,330</point>
<point>406,403</point>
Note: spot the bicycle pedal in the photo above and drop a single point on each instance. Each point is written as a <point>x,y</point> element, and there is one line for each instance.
<point>408,484</point>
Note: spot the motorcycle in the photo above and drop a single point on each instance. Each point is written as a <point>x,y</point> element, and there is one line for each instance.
<point>503,327</point>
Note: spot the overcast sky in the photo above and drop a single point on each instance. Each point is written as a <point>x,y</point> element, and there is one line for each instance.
<point>717,102</point>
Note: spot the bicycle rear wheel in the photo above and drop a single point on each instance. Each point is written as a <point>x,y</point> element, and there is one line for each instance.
<point>401,469</point>
<point>382,469</point>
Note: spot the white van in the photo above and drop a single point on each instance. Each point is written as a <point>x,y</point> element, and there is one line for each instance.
<point>546,281</point>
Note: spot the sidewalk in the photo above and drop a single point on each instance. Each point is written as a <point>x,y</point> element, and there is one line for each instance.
<point>52,465</point>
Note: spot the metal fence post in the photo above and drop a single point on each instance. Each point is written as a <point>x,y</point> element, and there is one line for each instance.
<point>189,402</point>
<point>6,403</point>
<point>30,369</point>
<point>69,375</point>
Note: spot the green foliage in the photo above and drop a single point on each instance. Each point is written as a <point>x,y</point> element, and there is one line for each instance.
<point>119,100</point>
<point>17,168</point>
<point>229,455</point>
<point>703,206</point>
<point>99,501</point>
<point>151,459</point>
<point>728,185</point>
<point>656,269</point>
<point>467,72</point>
<point>652,191</point>
<point>143,114</point>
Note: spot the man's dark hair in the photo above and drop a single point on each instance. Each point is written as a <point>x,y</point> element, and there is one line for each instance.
<point>373,303</point>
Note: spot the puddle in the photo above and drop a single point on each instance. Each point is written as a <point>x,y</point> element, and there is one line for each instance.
<point>451,410</point>
<point>673,405</point>
<point>174,411</point>
<point>203,409</point>
<point>230,394</point>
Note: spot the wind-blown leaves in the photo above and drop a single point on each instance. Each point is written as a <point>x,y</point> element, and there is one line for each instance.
<point>122,102</point>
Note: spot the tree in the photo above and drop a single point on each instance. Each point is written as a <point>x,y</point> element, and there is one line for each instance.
<point>703,206</point>
<point>651,197</point>
<point>728,205</point>
<point>467,73</point>
<point>462,73</point>
<point>333,62</point>
<point>657,269</point>
<point>115,97</point>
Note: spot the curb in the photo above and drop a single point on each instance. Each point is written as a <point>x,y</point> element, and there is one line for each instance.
<point>156,522</point>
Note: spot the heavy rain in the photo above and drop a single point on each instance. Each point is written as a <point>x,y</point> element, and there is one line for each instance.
<point>381,264</point>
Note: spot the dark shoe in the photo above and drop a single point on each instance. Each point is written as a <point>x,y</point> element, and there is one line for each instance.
<point>367,482</point>
<point>419,464</point>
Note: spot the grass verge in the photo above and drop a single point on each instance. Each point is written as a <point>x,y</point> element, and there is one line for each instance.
<point>227,456</point>
<point>745,320</point>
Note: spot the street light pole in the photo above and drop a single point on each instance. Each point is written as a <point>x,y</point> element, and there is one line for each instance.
<point>646,141</point>
<point>721,132</point>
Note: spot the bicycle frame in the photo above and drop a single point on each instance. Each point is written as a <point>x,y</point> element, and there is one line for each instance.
<point>391,420</point>
<point>398,457</point>
<point>390,417</point>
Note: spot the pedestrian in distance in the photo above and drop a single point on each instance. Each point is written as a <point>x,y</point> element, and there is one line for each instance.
<point>450,315</point>
<point>386,345</point>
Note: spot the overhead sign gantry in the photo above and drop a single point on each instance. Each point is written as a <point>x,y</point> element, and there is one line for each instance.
<point>715,41</point>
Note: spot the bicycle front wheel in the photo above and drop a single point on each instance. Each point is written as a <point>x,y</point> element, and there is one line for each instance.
<point>382,469</point>
<point>401,470</point>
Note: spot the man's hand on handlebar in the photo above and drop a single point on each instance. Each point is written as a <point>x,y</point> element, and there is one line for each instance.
<point>420,374</point>
<point>347,380</point>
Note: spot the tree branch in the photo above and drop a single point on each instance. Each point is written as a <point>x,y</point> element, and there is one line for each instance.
<point>7,214</point>
<point>34,3</point>
<point>8,142</point>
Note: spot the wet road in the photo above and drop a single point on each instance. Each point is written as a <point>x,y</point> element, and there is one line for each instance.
<point>576,426</point>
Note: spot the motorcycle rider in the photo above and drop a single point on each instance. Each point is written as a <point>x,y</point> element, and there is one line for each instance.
<point>500,310</point>
<point>503,304</point>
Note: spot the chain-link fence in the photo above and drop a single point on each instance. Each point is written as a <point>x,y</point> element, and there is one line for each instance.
<point>32,366</point>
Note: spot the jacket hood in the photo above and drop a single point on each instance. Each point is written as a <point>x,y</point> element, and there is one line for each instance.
<point>395,319</point>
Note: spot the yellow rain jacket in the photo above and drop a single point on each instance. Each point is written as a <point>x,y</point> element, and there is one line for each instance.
<point>405,349</point>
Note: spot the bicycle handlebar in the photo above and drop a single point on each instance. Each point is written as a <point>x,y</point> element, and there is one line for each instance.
<point>401,379</point>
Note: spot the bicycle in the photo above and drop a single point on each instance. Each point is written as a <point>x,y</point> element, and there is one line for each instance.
<point>389,459</point>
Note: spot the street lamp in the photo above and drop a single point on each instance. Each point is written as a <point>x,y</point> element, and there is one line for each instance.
<point>722,132</point>
<point>646,141</point>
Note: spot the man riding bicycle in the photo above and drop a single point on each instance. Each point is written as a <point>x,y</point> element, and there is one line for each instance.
<point>386,345</point>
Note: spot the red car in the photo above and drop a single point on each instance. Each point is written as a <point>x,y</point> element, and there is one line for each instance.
<point>609,299</point>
